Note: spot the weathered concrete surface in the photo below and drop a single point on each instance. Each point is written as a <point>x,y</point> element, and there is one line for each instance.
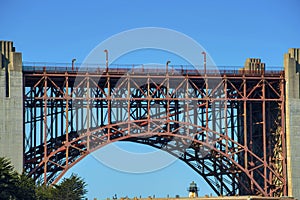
<point>11,105</point>
<point>292,77</point>
<point>254,65</point>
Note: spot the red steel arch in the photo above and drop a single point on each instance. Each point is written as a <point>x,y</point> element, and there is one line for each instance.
<point>228,127</point>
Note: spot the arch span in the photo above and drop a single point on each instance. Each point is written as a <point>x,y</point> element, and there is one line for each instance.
<point>229,130</point>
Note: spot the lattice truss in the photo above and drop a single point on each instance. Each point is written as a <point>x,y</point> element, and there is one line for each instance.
<point>229,128</point>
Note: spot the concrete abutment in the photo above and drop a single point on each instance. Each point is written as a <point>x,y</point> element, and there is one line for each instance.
<point>11,104</point>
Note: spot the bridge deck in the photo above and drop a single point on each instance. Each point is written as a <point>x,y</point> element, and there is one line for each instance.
<point>173,69</point>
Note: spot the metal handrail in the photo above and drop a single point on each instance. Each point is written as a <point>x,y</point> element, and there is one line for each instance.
<point>38,67</point>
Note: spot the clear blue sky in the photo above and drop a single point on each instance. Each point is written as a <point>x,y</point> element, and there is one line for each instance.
<point>231,31</point>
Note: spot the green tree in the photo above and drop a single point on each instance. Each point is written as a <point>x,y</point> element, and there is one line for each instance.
<point>21,187</point>
<point>26,188</point>
<point>8,179</point>
<point>72,188</point>
<point>44,192</point>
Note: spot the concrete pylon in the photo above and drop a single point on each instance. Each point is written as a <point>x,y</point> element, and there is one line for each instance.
<point>292,106</point>
<point>254,65</point>
<point>11,104</point>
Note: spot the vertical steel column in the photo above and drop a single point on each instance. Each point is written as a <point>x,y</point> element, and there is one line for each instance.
<point>88,110</point>
<point>264,132</point>
<point>102,106</point>
<point>72,112</point>
<point>251,141</point>
<point>148,101</point>
<point>225,114</point>
<point>283,135</point>
<point>45,127</point>
<point>128,102</point>
<point>168,96</point>
<point>56,119</point>
<point>108,104</point>
<point>206,106</point>
<point>195,107</point>
<point>108,95</point>
<point>33,120</point>
<point>66,97</point>
<point>76,108</point>
<point>187,105</point>
<point>245,121</point>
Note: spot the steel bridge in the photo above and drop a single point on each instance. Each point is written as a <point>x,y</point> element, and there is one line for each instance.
<point>228,125</point>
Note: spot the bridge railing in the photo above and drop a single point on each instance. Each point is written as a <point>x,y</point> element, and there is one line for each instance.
<point>40,67</point>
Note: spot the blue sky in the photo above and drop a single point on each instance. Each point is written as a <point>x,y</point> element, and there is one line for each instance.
<point>230,31</point>
<point>57,31</point>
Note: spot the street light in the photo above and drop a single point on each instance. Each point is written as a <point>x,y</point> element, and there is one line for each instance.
<point>106,59</point>
<point>73,61</point>
<point>167,66</point>
<point>204,64</point>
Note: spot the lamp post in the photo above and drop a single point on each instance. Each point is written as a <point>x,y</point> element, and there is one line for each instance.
<point>73,61</point>
<point>204,64</point>
<point>167,66</point>
<point>106,59</point>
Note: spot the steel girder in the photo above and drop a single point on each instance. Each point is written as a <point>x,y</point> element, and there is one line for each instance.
<point>228,127</point>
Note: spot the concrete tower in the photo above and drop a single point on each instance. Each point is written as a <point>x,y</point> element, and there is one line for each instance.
<point>254,65</point>
<point>292,77</point>
<point>11,104</point>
